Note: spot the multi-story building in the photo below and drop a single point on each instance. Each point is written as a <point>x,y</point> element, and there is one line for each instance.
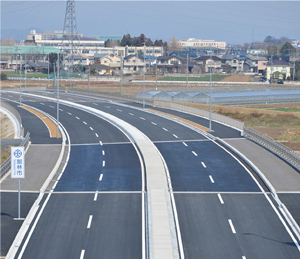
<point>150,50</point>
<point>196,43</point>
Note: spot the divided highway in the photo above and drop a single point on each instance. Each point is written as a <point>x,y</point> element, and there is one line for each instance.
<point>95,209</point>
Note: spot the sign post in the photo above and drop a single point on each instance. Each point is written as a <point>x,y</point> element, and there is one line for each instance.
<point>18,170</point>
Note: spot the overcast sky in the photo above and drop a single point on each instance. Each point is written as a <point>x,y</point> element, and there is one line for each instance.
<point>234,22</point>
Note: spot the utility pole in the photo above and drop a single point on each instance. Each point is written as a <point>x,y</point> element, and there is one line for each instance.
<point>20,79</point>
<point>121,79</point>
<point>25,72</point>
<point>89,76</point>
<point>48,69</point>
<point>187,71</point>
<point>144,78</point>
<point>57,94</point>
<point>294,70</point>
<point>156,75</point>
<point>271,77</point>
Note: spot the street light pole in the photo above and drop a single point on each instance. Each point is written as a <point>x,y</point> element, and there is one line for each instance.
<point>156,74</point>
<point>210,93</point>
<point>57,95</point>
<point>144,77</point>
<point>20,79</point>
<point>187,70</point>
<point>121,79</point>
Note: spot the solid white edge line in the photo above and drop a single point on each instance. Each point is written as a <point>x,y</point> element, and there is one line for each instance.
<point>82,254</point>
<point>212,180</point>
<point>220,198</point>
<point>231,226</point>
<point>90,221</point>
<point>96,196</point>
<point>203,164</point>
<point>101,176</point>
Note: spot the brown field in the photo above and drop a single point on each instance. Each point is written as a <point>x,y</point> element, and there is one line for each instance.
<point>237,78</point>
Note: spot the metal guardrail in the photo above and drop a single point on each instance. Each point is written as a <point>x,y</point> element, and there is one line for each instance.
<point>279,149</point>
<point>5,166</point>
<point>28,88</point>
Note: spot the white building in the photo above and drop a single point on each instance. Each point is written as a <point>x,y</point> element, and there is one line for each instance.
<point>195,43</point>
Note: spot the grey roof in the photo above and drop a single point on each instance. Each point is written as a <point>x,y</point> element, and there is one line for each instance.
<point>99,66</point>
<point>131,56</point>
<point>257,58</point>
<point>37,64</point>
<point>208,57</point>
<point>278,63</point>
<point>228,57</point>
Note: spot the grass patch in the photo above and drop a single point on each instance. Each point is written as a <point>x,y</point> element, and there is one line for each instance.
<point>28,75</point>
<point>286,109</point>
<point>204,78</point>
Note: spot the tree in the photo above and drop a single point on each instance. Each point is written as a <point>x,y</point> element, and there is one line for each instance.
<point>287,49</point>
<point>174,45</point>
<point>3,76</point>
<point>297,70</point>
<point>7,41</point>
<point>112,43</point>
<point>159,43</point>
<point>126,40</point>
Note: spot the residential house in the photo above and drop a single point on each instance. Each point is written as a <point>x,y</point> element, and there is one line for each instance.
<point>257,64</point>
<point>213,62</point>
<point>170,64</point>
<point>133,63</point>
<point>278,69</point>
<point>111,60</point>
<point>78,59</point>
<point>102,69</point>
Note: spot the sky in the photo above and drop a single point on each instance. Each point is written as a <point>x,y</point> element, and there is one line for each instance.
<point>235,22</point>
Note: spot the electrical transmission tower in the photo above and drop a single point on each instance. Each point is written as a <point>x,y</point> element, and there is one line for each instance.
<point>70,41</point>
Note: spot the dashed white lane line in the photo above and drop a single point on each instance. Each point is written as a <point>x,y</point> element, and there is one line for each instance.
<point>96,135</point>
<point>231,226</point>
<point>243,257</point>
<point>101,176</point>
<point>175,136</point>
<point>119,110</point>
<point>90,221</point>
<point>69,113</point>
<point>220,198</point>
<point>42,103</point>
<point>107,106</point>
<point>211,179</point>
<point>165,129</point>
<point>184,144</point>
<point>51,106</point>
<point>82,254</point>
<point>203,164</point>
<point>103,152</point>
<point>194,153</point>
<point>91,128</point>
<point>82,101</point>
<point>153,123</point>
<point>142,118</point>
<point>101,143</point>
<point>9,96</point>
<point>103,164</point>
<point>77,118</point>
<point>70,98</point>
<point>96,196</point>
<point>84,122</point>
<point>61,110</point>
<point>95,103</point>
<point>131,114</point>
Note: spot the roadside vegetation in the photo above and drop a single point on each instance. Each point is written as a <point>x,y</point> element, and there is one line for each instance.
<point>204,78</point>
<point>28,75</point>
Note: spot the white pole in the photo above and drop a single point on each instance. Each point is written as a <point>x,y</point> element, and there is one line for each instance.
<point>20,79</point>
<point>25,71</point>
<point>156,75</point>
<point>89,76</point>
<point>210,94</point>
<point>187,70</point>
<point>144,78</point>
<point>19,200</point>
<point>121,81</point>
<point>57,96</point>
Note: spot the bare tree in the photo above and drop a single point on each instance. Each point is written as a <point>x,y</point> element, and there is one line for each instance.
<point>174,45</point>
<point>8,41</point>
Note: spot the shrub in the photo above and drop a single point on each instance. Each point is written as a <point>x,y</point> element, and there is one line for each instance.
<point>3,76</point>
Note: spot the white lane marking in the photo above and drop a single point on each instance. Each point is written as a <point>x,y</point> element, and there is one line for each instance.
<point>69,113</point>
<point>103,152</point>
<point>85,123</point>
<point>91,128</point>
<point>101,176</point>
<point>96,135</point>
<point>70,98</point>
<point>103,164</point>
<point>243,257</point>
<point>107,106</point>
<point>90,221</point>
<point>96,196</point>
<point>231,226</point>
<point>51,106</point>
<point>119,110</point>
<point>175,136</point>
<point>212,180</point>
<point>184,144</point>
<point>77,118</point>
<point>61,110</point>
<point>203,164</point>
<point>165,129</point>
<point>194,153</point>
<point>220,198</point>
<point>95,103</point>
<point>131,114</point>
<point>9,96</point>
<point>142,118</point>
<point>82,254</point>
<point>101,143</point>
<point>153,123</point>
<point>42,103</point>
<point>82,101</point>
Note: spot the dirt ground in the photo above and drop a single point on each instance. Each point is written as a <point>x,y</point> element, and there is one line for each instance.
<point>7,132</point>
<point>237,78</point>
